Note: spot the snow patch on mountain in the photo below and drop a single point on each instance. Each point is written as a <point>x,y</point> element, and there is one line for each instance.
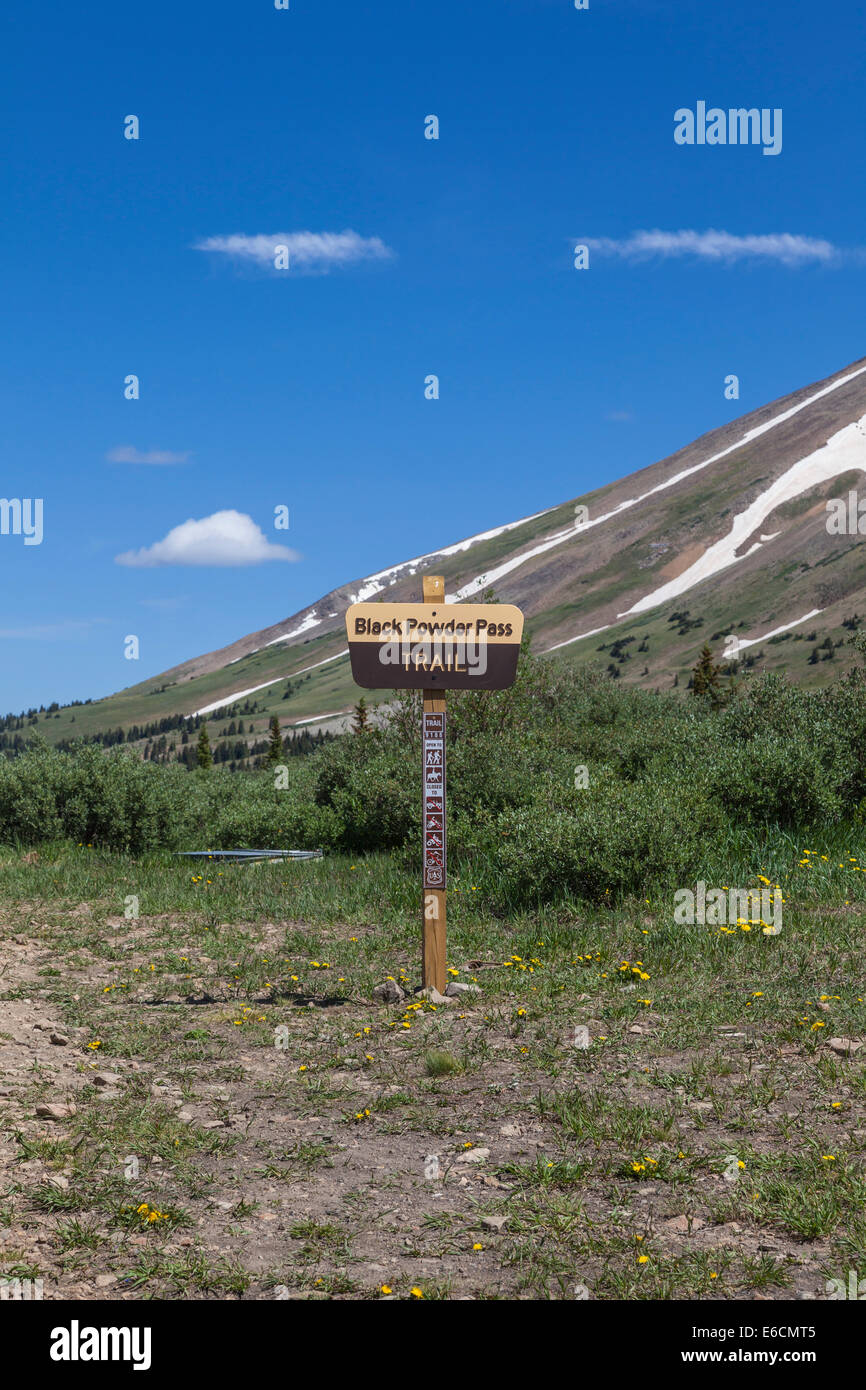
<point>845,450</point>
<point>717,557</point>
<point>242,694</point>
<point>310,621</point>
<point>375,583</point>
<point>785,627</point>
<point>230,699</point>
<point>579,638</point>
<point>492,576</point>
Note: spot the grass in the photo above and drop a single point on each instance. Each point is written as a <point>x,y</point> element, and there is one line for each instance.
<point>437,1063</point>
<point>282,1125</point>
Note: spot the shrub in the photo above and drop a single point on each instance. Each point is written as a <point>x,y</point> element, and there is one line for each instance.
<point>671,783</point>
<point>618,839</point>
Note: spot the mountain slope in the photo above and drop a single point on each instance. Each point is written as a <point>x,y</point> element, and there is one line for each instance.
<point>729,533</point>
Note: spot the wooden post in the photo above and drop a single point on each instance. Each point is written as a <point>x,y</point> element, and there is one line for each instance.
<point>385,654</point>
<point>434,863</point>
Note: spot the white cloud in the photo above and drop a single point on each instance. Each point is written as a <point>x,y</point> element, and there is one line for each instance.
<point>309,252</point>
<point>51,632</point>
<point>722,247</point>
<point>227,538</point>
<point>127,453</point>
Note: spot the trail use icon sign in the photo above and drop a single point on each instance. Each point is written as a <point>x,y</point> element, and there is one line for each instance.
<point>434,647</point>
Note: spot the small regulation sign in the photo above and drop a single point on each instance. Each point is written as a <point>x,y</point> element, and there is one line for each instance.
<point>433,744</point>
<point>434,646</point>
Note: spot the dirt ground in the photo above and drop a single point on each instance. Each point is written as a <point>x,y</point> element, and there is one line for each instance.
<point>229,1118</point>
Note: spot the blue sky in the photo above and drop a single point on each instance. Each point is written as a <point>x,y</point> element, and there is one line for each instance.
<point>305,388</point>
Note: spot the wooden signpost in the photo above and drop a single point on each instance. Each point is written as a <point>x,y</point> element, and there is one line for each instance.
<point>434,647</point>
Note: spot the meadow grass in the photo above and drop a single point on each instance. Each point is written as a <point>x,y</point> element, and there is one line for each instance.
<point>703,1045</point>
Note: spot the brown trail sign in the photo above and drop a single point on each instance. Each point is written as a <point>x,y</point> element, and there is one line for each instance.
<point>434,647</point>
<point>415,646</point>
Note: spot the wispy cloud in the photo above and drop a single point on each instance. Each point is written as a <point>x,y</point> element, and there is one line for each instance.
<point>228,539</point>
<point>70,630</point>
<point>311,253</point>
<point>127,453</point>
<point>721,247</point>
<point>619,416</point>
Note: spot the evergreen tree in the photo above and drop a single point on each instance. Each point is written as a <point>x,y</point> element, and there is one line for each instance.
<point>275,744</point>
<point>359,722</point>
<point>705,678</point>
<point>203,754</point>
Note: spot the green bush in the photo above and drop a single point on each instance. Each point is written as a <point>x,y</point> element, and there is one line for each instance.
<point>618,839</point>
<point>671,784</point>
<point>371,790</point>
